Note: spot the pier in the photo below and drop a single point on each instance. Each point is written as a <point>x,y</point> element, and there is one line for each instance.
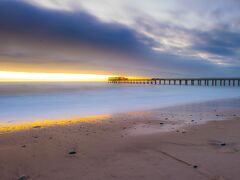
<point>178,81</point>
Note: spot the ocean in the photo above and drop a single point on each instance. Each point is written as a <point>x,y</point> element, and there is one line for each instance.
<point>21,102</point>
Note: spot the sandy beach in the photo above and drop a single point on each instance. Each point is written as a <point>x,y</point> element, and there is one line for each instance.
<point>119,90</point>
<point>174,143</point>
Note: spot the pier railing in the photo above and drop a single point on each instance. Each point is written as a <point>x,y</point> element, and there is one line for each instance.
<point>184,81</point>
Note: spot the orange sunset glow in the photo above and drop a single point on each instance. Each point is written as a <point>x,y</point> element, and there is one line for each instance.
<point>30,76</point>
<point>11,76</point>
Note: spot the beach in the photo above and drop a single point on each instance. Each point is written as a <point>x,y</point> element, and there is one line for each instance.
<point>193,141</point>
<point>119,90</point>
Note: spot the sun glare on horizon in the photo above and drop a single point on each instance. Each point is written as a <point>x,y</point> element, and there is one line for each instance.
<point>8,76</point>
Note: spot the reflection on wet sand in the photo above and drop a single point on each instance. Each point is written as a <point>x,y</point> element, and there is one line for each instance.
<point>7,127</point>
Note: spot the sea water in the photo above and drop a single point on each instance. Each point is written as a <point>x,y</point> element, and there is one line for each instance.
<point>39,101</point>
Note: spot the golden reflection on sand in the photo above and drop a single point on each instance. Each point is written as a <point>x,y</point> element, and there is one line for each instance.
<point>5,127</point>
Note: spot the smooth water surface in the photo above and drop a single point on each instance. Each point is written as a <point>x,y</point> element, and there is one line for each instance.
<point>39,101</point>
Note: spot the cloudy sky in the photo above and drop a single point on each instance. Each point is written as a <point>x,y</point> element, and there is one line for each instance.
<point>173,38</point>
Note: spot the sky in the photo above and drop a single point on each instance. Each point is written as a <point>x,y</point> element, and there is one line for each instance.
<point>156,38</point>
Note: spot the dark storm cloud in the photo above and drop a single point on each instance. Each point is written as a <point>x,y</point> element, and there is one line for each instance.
<point>219,42</point>
<point>26,20</point>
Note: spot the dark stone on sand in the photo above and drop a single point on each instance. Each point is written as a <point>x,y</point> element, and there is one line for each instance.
<point>35,137</point>
<point>23,177</point>
<point>23,146</point>
<point>72,152</point>
<point>217,115</point>
<point>37,126</point>
<point>192,120</point>
<point>223,144</point>
<point>184,132</point>
<point>195,166</point>
<point>166,118</point>
<point>161,123</point>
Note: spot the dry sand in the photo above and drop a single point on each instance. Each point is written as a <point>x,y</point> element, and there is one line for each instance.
<point>166,144</point>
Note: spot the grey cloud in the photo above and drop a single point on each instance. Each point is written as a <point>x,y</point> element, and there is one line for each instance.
<point>77,27</point>
<point>78,40</point>
<point>219,42</point>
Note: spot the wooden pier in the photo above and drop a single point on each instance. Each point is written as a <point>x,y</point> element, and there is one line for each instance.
<point>184,81</point>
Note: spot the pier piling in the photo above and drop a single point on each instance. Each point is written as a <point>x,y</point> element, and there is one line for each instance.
<point>178,81</point>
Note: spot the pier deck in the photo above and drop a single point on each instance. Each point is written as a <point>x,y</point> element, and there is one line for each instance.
<point>178,81</point>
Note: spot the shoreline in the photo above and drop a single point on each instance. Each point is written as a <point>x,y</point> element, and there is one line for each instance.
<point>180,108</point>
<point>116,148</point>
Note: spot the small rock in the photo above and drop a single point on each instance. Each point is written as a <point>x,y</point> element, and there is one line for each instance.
<point>223,144</point>
<point>184,132</point>
<point>192,120</point>
<point>195,166</point>
<point>166,118</point>
<point>37,126</point>
<point>23,177</point>
<point>72,152</point>
<point>23,146</point>
<point>161,123</point>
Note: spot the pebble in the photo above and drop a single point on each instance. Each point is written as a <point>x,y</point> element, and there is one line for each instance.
<point>23,177</point>
<point>195,166</point>
<point>37,126</point>
<point>72,152</point>
<point>161,123</point>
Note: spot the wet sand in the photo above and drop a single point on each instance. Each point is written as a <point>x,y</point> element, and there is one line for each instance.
<point>169,144</point>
